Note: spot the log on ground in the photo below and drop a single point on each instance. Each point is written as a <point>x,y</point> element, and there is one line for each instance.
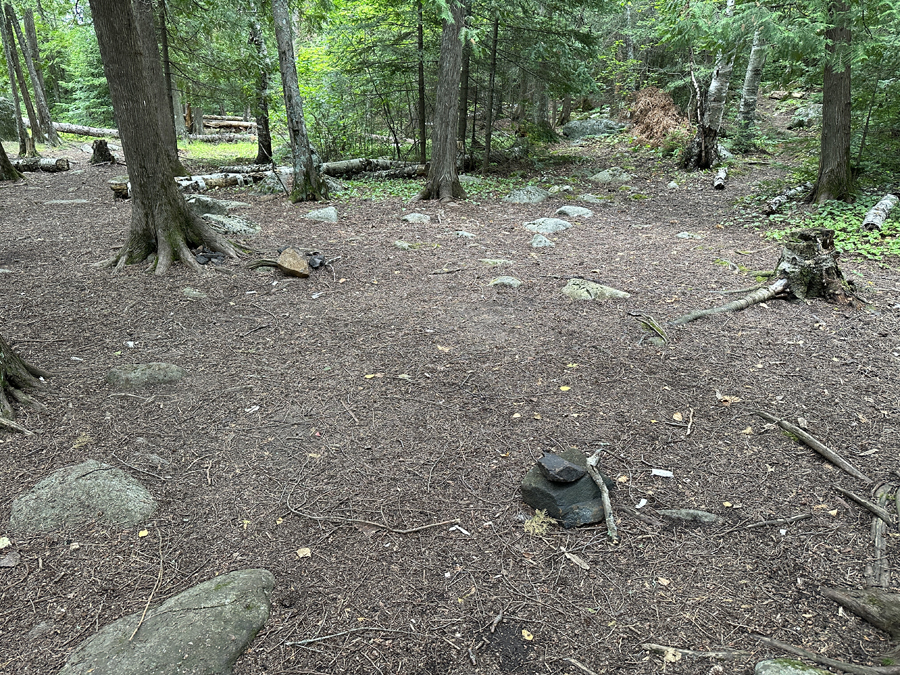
<point>721,177</point>
<point>80,130</point>
<point>876,216</point>
<point>41,164</point>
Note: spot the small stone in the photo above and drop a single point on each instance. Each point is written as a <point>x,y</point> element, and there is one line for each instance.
<point>462,234</point>
<point>540,241</point>
<point>416,218</point>
<point>506,281</point>
<point>612,175</point>
<point>327,215</point>
<point>496,262</point>
<point>583,513</point>
<point>559,470</point>
<point>556,189</point>
<point>582,289</point>
<point>688,235</point>
<point>193,293</point>
<point>594,199</point>
<point>672,185</point>
<point>547,225</point>
<point>786,667</point>
<point>574,212</point>
<point>144,374</point>
<point>527,195</point>
<point>690,515</point>
<point>293,263</point>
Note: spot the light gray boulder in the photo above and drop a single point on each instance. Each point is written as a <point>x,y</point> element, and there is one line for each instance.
<point>137,375</point>
<point>327,215</point>
<point>583,289</point>
<point>786,667</point>
<point>540,241</point>
<point>574,212</point>
<point>527,195</point>
<point>592,127</point>
<point>547,225</point>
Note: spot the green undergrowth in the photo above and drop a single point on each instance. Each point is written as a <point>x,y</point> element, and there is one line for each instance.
<point>218,154</point>
<point>489,187</point>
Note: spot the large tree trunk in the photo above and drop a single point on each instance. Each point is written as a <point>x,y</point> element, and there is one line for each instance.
<point>8,41</point>
<point>263,135</point>
<point>308,186</point>
<point>161,223</point>
<point>750,91</point>
<point>20,128</point>
<point>174,98</point>
<point>16,376</point>
<point>462,116</point>
<point>43,110</point>
<point>835,180</point>
<point>489,121</point>
<point>420,44</point>
<point>34,50</point>
<point>443,180</point>
<point>7,170</point>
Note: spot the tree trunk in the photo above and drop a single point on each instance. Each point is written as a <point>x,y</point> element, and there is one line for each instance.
<point>41,164</point>
<point>34,49</point>
<point>264,135</point>
<point>443,180</point>
<point>180,127</point>
<point>565,112</point>
<point>173,98</point>
<point>489,121</point>
<point>16,376</point>
<point>420,44</point>
<point>161,222</point>
<point>462,117</point>
<point>20,128</point>
<point>36,133</point>
<point>750,91</point>
<point>43,110</point>
<point>80,130</point>
<point>307,184</point>
<point>7,170</point>
<point>835,180</point>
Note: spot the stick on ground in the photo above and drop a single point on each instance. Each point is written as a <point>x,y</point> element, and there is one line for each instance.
<point>825,661</point>
<point>604,495</point>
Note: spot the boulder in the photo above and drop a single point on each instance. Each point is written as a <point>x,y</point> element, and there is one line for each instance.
<point>78,494</point>
<point>611,175</point>
<point>201,631</point>
<point>786,667</point>
<point>583,289</point>
<point>139,375</point>
<point>293,263</point>
<point>574,212</point>
<point>8,129</point>
<point>593,127</point>
<point>327,215</point>
<point>547,225</point>
<point>232,225</point>
<point>540,241</point>
<point>512,282</point>
<point>527,195</point>
<point>594,199</point>
<point>574,503</point>
<point>202,205</point>
<point>806,116</point>
<point>416,218</point>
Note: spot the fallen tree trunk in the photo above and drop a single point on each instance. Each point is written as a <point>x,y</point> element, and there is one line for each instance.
<point>122,188</point>
<point>349,167</point>
<point>876,216</point>
<point>773,290</point>
<point>874,605</point>
<point>223,138</point>
<point>227,124</point>
<point>41,164</point>
<point>79,129</point>
<point>774,204</point>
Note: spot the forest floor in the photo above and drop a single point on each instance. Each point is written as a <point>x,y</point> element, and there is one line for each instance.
<point>400,387</point>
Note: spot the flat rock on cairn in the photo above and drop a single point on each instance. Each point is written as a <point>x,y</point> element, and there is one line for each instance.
<point>327,215</point>
<point>583,289</point>
<point>786,667</point>
<point>573,503</point>
<point>139,375</point>
<point>201,631</point>
<point>527,195</point>
<point>79,494</point>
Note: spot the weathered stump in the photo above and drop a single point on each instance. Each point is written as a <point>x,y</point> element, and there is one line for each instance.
<point>101,154</point>
<point>809,262</point>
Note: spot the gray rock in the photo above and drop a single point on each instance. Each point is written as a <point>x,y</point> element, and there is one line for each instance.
<point>496,262</point>
<point>506,281</point>
<point>144,374</point>
<point>232,224</point>
<point>574,212</point>
<point>201,631</point>
<point>806,116</point>
<point>193,293</point>
<point>540,241</point>
<point>672,185</point>
<point>66,202</point>
<point>547,225</point>
<point>39,630</point>
<point>582,289</point>
<point>202,205</point>
<point>594,127</point>
<point>690,516</point>
<point>786,667</point>
<point>572,503</point>
<point>556,189</point>
<point>8,129</point>
<point>594,199</point>
<point>416,218</point>
<point>559,470</point>
<point>611,175</point>
<point>688,235</point>
<point>78,494</point>
<point>327,215</point>
<point>527,195</point>
<point>462,234</point>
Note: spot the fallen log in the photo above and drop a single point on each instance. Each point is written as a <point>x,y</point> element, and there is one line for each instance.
<point>216,180</point>
<point>79,129</point>
<point>721,177</point>
<point>762,295</point>
<point>874,605</point>
<point>774,204</point>
<point>349,167</point>
<point>41,164</point>
<point>210,123</point>
<point>250,168</point>
<point>222,138</point>
<point>825,661</point>
<point>876,216</point>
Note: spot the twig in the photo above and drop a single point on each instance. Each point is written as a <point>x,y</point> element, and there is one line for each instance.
<point>12,426</point>
<point>611,529</point>
<point>874,508</point>
<point>825,661</point>
<point>381,526</point>
<point>362,629</point>
<point>578,664</point>
<point>155,586</point>
<point>496,621</point>
<point>134,468</point>
<point>767,523</point>
<point>347,408</point>
<point>777,288</point>
<point>458,269</point>
<point>690,422</point>
<point>828,454</point>
<point>253,330</point>
<point>725,654</point>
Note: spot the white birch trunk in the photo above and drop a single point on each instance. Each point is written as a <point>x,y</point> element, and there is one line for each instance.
<point>750,92</point>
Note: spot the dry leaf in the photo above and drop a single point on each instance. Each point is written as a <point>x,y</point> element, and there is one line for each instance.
<point>304,553</point>
<point>527,635</point>
<point>726,504</point>
<point>279,521</point>
<point>4,542</point>
<point>662,473</point>
<point>662,581</point>
<point>578,561</point>
<point>672,655</point>
<point>564,388</point>
<point>515,415</point>
<point>537,416</point>
<point>571,365</point>
<point>443,349</point>
<point>833,513</point>
<point>677,417</point>
<point>143,533</point>
<point>748,431</point>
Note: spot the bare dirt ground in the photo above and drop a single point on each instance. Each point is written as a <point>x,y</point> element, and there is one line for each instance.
<point>399,387</point>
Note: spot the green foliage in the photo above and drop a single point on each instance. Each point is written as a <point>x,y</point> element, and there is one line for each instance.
<point>86,100</point>
<point>218,154</point>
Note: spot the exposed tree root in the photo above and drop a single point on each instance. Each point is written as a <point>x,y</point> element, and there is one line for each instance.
<point>16,375</point>
<point>762,295</point>
<point>874,605</point>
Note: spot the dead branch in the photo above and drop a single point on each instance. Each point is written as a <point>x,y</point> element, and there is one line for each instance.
<point>762,295</point>
<point>873,605</point>
<point>592,462</point>
<point>825,661</point>
<point>878,511</point>
<point>725,654</point>
<point>769,523</point>
<point>827,453</point>
<point>878,571</point>
<point>578,664</point>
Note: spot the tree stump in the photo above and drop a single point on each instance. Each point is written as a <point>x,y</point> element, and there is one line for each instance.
<point>101,154</point>
<point>809,262</point>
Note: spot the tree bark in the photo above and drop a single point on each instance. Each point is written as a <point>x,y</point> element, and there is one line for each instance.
<point>835,180</point>
<point>20,128</point>
<point>34,49</point>
<point>750,91</point>
<point>161,223</point>
<point>36,134</point>
<point>420,44</point>
<point>489,121</point>
<point>16,376</point>
<point>7,170</point>
<point>173,98</point>
<point>264,135</point>
<point>43,110</point>
<point>307,184</point>
<point>462,116</point>
<point>443,180</point>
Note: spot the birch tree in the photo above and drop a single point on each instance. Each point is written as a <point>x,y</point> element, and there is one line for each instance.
<point>750,91</point>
